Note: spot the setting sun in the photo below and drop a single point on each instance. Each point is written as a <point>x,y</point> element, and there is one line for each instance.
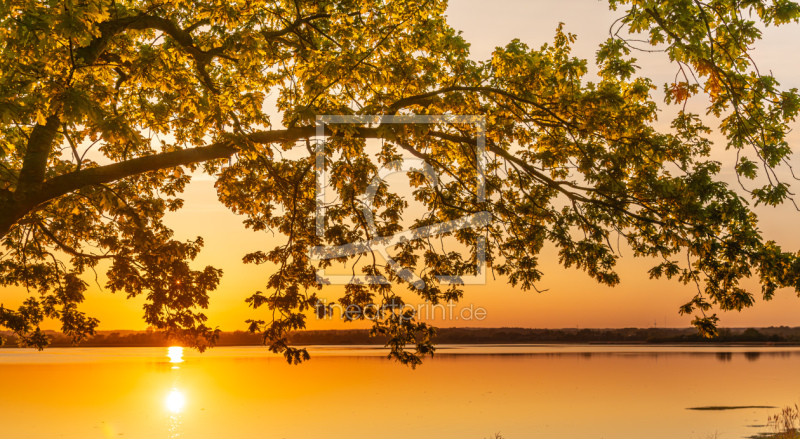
<point>175,354</point>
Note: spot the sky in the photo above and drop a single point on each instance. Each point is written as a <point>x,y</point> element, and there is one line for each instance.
<point>572,299</point>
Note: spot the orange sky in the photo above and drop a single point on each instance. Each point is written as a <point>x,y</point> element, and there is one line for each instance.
<point>572,299</point>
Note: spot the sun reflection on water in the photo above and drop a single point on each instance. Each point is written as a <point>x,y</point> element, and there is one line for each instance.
<point>175,401</point>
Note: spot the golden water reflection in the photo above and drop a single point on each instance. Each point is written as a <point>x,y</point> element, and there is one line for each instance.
<point>558,392</point>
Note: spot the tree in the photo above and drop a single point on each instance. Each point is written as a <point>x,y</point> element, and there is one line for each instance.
<point>105,106</point>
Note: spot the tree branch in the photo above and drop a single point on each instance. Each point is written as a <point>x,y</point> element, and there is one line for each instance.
<point>34,164</point>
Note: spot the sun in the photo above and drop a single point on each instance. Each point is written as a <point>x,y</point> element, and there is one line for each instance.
<point>175,354</point>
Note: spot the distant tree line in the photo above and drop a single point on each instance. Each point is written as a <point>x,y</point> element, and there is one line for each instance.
<point>139,339</point>
<point>782,334</point>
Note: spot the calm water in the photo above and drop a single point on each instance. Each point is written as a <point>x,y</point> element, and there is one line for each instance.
<point>551,391</point>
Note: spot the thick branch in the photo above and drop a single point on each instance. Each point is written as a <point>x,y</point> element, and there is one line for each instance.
<point>67,183</point>
<point>34,164</point>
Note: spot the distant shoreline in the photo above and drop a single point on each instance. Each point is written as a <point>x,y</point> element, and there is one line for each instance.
<point>756,337</point>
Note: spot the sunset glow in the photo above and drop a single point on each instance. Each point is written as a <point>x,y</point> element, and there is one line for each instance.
<point>436,219</point>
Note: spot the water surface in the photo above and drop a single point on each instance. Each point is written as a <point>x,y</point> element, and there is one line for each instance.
<point>354,392</point>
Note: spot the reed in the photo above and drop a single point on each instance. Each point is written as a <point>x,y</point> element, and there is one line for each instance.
<point>786,423</point>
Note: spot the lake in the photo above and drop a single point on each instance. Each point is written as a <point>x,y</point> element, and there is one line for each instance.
<point>465,391</point>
